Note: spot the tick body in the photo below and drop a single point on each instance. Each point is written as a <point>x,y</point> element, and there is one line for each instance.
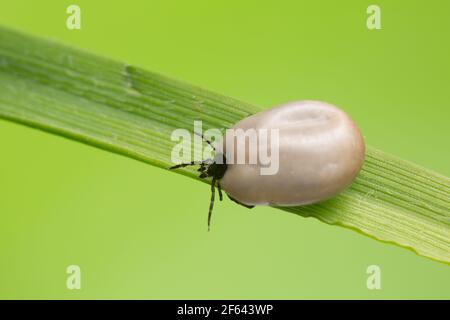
<point>320,152</point>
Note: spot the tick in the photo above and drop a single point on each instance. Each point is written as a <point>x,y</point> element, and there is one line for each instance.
<point>321,151</point>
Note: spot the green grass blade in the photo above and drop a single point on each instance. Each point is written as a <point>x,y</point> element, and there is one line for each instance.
<point>130,111</point>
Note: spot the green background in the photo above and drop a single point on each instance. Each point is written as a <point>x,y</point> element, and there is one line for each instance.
<point>140,232</point>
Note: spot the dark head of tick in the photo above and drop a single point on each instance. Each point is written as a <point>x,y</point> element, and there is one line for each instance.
<point>210,168</point>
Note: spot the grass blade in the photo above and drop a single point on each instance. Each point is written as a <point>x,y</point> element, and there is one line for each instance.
<point>130,111</point>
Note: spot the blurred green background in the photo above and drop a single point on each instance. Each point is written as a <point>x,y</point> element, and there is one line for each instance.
<point>140,232</point>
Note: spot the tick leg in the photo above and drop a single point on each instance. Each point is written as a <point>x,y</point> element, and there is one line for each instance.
<point>211,203</point>
<point>192,163</point>
<point>182,165</point>
<point>206,140</point>
<point>219,187</point>
<point>245,205</point>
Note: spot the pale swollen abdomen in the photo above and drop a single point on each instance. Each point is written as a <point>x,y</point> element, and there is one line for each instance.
<point>321,150</point>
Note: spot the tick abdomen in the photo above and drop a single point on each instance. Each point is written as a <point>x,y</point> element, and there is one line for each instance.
<point>320,152</point>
